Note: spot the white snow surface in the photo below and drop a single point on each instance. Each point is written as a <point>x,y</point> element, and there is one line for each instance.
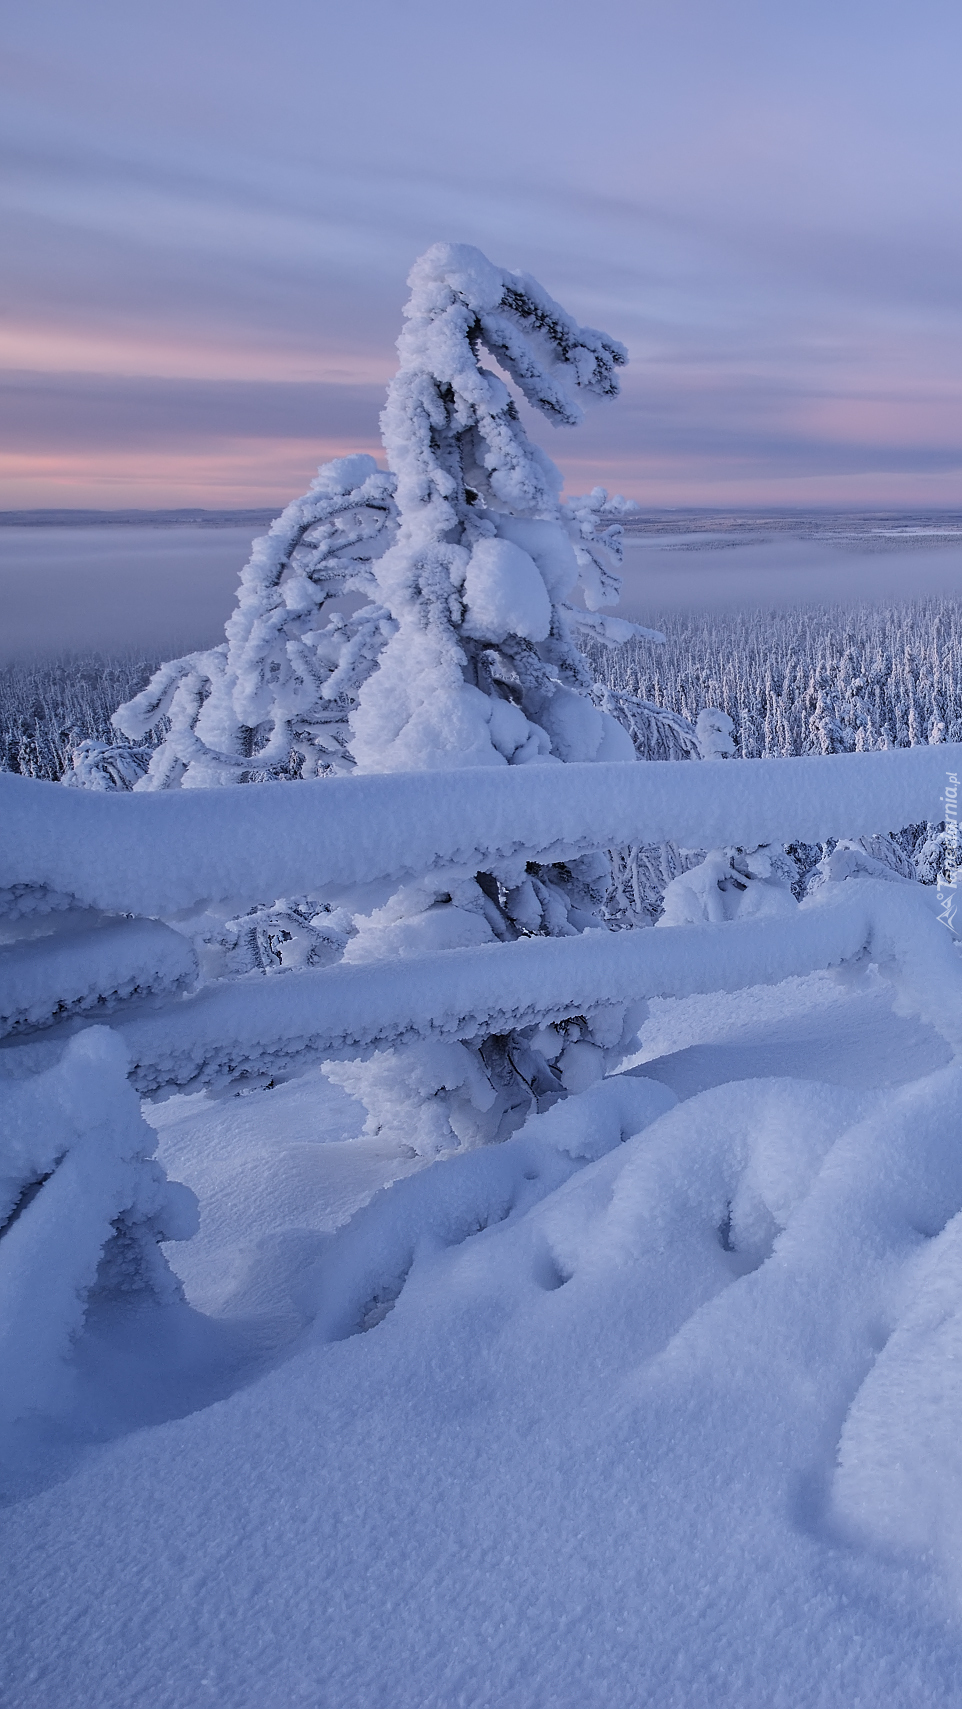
<point>75,1158</point>
<point>654,1403</point>
<point>504,593</point>
<point>158,854</point>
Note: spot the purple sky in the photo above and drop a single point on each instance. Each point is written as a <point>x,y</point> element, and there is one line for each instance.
<point>210,211</point>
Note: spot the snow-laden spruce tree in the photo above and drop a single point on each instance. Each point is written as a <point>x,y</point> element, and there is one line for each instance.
<point>465,654</point>
<point>483,667</point>
<point>273,700</point>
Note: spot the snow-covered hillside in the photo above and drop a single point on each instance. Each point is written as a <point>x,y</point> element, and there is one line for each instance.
<point>655,1395</point>
<point>525,1428</point>
<point>480,1186</point>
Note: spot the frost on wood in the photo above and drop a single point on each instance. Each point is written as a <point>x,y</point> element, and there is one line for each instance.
<point>170,853</point>
<point>274,699</point>
<point>83,964</point>
<point>83,1207</point>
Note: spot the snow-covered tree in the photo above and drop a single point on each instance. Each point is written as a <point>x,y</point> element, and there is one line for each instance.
<point>106,766</point>
<point>274,699</point>
<point>482,589</point>
<point>484,667</point>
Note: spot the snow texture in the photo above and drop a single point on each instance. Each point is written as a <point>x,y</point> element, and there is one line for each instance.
<point>84,967</point>
<point>253,1030</point>
<point>361,1274</point>
<point>673,1427</point>
<point>161,854</point>
<point>81,1203</point>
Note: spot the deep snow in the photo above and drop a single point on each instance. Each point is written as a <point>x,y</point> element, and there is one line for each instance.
<point>525,1429</point>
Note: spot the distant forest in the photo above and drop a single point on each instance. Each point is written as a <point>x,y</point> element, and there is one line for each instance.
<point>48,707</point>
<point>813,680</point>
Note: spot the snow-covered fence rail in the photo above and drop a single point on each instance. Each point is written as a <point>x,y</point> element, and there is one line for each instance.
<point>268,1027</point>
<point>250,1030</point>
<point>157,854</point>
<point>49,978</point>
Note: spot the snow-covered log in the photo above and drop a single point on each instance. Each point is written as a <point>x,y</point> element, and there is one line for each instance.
<point>88,969</point>
<point>255,1030</point>
<point>159,854</point>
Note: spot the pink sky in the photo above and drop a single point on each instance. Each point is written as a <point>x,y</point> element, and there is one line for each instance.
<point>205,260</point>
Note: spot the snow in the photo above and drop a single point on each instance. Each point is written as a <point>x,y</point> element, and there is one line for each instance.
<point>279,686</point>
<point>79,966</point>
<point>504,593</point>
<point>75,1175</point>
<point>252,1029</point>
<point>573,1315</point>
<point>160,854</point>
<point>653,1399</point>
<point>561,1430</point>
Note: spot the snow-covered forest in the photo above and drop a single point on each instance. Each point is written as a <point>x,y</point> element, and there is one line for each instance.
<point>49,706</point>
<point>809,679</point>
<point>480,1082</point>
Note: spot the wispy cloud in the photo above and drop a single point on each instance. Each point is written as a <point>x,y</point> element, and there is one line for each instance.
<point>209,214</point>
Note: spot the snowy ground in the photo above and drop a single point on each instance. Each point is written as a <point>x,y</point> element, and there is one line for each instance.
<point>677,1426</point>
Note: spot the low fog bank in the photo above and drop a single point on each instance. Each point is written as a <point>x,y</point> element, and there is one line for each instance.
<point>164,587</point>
<point>727,568</point>
<point>116,588</point>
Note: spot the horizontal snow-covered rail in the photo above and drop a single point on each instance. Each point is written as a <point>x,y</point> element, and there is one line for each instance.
<point>157,854</point>
<point>45,979</point>
<point>256,1028</point>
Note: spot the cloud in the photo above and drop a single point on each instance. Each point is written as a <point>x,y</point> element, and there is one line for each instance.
<point>760,201</point>
<point>50,413</point>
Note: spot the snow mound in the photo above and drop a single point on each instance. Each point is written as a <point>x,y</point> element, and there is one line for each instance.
<point>594,1410</point>
<point>82,1205</point>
